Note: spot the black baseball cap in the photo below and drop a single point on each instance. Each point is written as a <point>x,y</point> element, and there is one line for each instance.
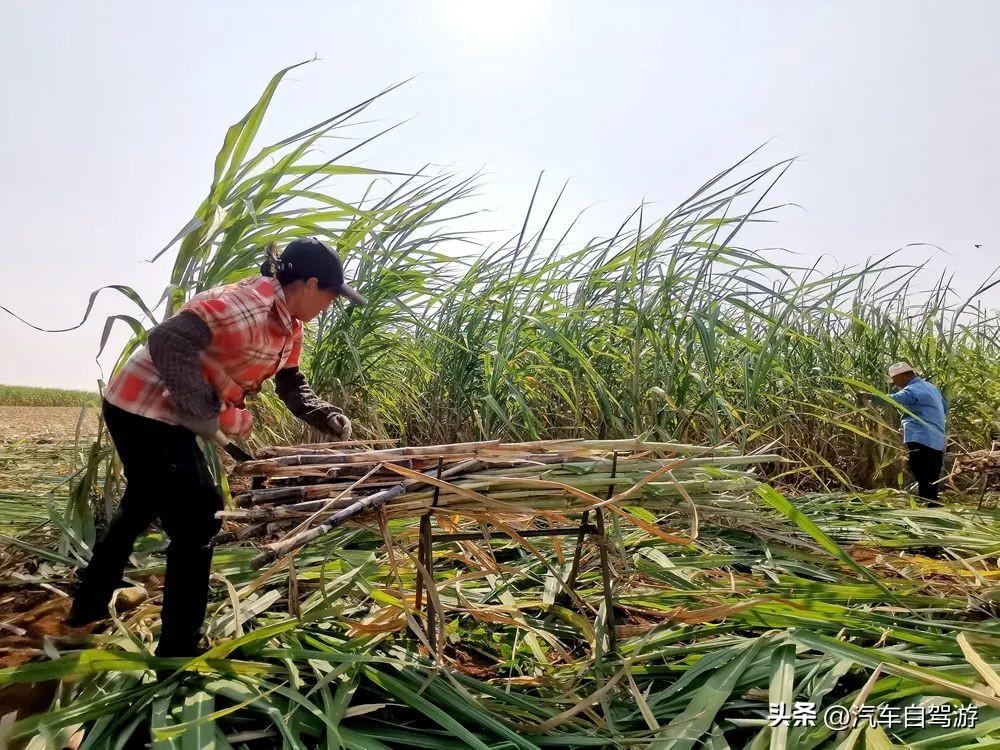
<point>312,258</point>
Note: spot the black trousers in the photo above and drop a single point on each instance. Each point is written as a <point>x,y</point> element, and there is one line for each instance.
<point>168,479</point>
<point>925,463</point>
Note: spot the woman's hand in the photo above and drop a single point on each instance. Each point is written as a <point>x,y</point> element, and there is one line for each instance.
<point>340,426</point>
<point>205,428</point>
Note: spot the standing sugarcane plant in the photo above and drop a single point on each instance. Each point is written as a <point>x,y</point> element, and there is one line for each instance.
<point>667,326</point>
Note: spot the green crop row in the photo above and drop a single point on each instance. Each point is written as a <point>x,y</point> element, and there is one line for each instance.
<point>26,395</point>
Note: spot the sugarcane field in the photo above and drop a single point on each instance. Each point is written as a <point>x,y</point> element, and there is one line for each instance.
<point>509,377</point>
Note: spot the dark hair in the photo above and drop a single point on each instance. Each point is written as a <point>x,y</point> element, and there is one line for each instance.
<point>275,267</point>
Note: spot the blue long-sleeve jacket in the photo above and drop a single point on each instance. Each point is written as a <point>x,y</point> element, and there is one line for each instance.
<point>930,410</point>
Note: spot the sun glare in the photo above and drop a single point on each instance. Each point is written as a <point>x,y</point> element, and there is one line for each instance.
<point>491,23</point>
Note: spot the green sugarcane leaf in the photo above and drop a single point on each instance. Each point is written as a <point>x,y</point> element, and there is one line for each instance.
<point>780,503</point>
<point>685,730</point>
<point>440,717</point>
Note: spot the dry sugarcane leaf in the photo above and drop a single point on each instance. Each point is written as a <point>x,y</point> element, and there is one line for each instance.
<point>650,528</point>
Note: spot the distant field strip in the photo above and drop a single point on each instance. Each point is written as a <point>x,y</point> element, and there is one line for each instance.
<point>26,395</point>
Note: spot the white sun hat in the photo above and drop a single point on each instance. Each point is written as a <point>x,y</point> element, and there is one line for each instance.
<point>899,368</point>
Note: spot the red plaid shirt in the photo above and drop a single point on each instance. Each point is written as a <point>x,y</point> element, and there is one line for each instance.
<point>253,336</point>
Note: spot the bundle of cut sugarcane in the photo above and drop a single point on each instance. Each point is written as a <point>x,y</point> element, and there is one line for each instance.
<point>308,490</point>
<point>976,462</point>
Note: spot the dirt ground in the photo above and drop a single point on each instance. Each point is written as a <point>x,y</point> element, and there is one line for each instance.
<point>43,424</point>
<point>36,450</point>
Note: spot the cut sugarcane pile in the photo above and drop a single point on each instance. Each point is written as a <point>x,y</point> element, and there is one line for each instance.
<point>976,462</point>
<point>302,492</point>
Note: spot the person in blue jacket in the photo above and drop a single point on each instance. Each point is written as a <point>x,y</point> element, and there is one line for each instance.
<point>924,418</point>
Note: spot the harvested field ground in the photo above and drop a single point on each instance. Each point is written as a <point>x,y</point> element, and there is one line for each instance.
<point>37,457</point>
<point>752,581</point>
<point>45,424</point>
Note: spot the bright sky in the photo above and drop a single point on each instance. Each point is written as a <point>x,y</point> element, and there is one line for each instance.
<point>114,112</point>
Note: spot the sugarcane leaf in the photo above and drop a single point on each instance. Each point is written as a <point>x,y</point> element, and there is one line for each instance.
<point>953,683</point>
<point>399,690</point>
<point>199,734</point>
<point>877,739</point>
<point>781,690</point>
<point>685,730</point>
<point>780,503</point>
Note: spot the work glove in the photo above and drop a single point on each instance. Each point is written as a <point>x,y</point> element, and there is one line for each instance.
<point>339,426</point>
<point>205,428</point>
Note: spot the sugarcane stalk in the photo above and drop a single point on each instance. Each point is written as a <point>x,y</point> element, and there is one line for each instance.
<point>326,470</point>
<point>326,490</point>
<point>372,457</point>
<point>531,478</point>
<point>365,504</point>
<point>413,503</point>
<point>290,450</point>
<point>280,549</point>
<point>640,446</point>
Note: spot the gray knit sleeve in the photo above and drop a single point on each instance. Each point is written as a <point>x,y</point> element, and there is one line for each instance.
<point>292,387</point>
<point>174,347</point>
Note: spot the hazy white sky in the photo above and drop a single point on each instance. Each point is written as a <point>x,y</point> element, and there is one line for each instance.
<point>113,112</point>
